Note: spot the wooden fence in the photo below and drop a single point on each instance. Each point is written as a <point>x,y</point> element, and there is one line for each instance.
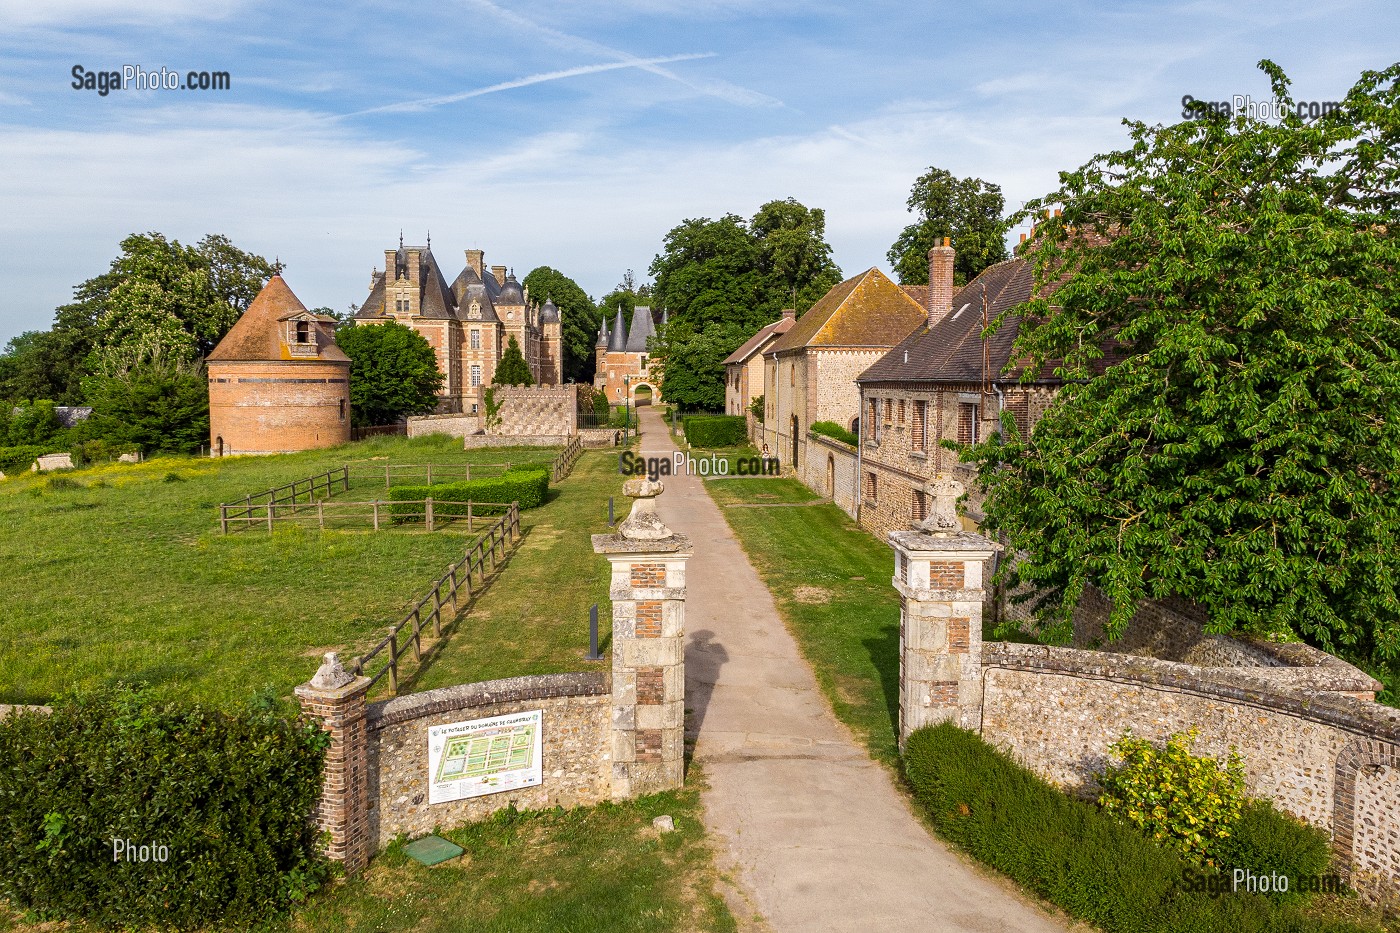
<point>341,514</point>
<point>501,536</point>
<point>563,463</point>
<point>295,495</point>
<point>427,473</point>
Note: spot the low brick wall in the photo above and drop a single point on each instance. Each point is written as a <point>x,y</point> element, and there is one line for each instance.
<point>577,734</point>
<point>600,437</point>
<point>1307,742</point>
<point>830,470</point>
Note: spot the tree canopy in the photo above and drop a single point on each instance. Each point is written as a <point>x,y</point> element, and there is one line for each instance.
<point>393,372</point>
<point>1239,446</point>
<point>579,317</point>
<point>721,280</point>
<point>969,210</point>
<point>511,369</point>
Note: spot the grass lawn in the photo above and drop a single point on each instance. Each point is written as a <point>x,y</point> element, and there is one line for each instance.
<point>533,618</point>
<point>832,584</point>
<point>601,868</point>
<point>119,572</point>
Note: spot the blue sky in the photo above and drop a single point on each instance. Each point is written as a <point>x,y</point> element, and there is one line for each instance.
<point>575,133</point>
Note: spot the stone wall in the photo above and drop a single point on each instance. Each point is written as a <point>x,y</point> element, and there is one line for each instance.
<point>451,425</point>
<point>576,765</point>
<point>1307,742</point>
<point>830,471</point>
<point>534,411</point>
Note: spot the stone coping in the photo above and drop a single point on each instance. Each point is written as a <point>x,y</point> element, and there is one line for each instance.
<point>1291,691</point>
<point>677,545</point>
<point>469,696</point>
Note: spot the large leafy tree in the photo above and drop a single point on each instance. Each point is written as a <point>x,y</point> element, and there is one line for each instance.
<point>511,369</point>
<point>721,280</point>
<point>968,210</point>
<point>393,372</point>
<point>160,406</point>
<point>578,316</point>
<point>1244,451</point>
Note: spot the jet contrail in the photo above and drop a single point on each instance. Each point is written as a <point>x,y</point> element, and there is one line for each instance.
<point>427,103</point>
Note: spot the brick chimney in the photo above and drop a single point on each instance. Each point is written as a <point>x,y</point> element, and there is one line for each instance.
<point>940,281</point>
<point>476,258</point>
<point>500,273</point>
<point>789,314</point>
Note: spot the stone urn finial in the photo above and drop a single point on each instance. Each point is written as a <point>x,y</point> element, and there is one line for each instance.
<point>331,675</point>
<point>643,524</point>
<point>942,519</point>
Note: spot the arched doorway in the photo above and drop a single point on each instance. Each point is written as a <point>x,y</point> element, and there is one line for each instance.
<point>219,446</point>
<point>831,476</point>
<point>794,442</point>
<point>641,394</point>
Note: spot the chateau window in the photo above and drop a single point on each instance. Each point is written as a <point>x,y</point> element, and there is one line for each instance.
<point>792,375</point>
<point>303,332</point>
<point>967,423</point>
<point>476,375</point>
<point>342,409</point>
<point>872,431</point>
<point>644,362</point>
<point>901,411</point>
<point>918,436</point>
<point>889,411</point>
<point>476,338</point>
<point>871,485</point>
<point>920,511</point>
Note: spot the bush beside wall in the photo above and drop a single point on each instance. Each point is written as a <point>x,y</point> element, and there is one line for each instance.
<point>526,484</point>
<point>834,431</point>
<point>1068,851</point>
<point>229,796</point>
<point>20,458</point>
<point>716,430</point>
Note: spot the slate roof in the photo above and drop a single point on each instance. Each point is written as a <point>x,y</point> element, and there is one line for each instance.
<point>617,338</point>
<point>951,351</point>
<point>755,343</point>
<point>510,293</point>
<point>866,310</point>
<point>257,335</point>
<point>549,312</point>
<point>643,329</point>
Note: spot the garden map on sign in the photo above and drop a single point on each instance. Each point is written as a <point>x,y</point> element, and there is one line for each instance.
<point>488,752</point>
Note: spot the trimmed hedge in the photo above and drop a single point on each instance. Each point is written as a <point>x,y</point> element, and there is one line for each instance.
<point>527,484</point>
<point>230,797</point>
<point>716,430</point>
<point>1071,853</point>
<point>834,431</point>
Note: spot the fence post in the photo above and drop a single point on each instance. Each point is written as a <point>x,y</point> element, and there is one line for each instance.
<point>417,627</point>
<point>469,471</point>
<point>452,575</point>
<point>345,476</point>
<point>376,514</point>
<point>428,512</point>
<point>271,508</point>
<point>223,518</point>
<point>430,474</point>
<point>393,662</point>
<point>593,654</point>
<point>321,513</point>
<point>437,611</point>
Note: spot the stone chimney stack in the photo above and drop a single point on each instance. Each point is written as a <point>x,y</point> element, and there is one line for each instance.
<point>789,314</point>
<point>476,258</point>
<point>500,273</point>
<point>940,281</point>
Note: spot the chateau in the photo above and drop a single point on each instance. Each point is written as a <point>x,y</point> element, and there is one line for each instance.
<point>469,323</point>
<point>622,351</point>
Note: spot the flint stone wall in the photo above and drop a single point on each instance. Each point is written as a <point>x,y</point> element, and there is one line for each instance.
<point>1308,743</point>
<point>576,765</point>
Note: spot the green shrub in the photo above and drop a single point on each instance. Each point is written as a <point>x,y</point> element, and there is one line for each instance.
<point>229,796</point>
<point>756,408</point>
<point>716,430</point>
<point>63,484</point>
<point>1068,851</point>
<point>833,430</point>
<point>1190,802</point>
<point>22,457</point>
<point>1265,840</point>
<point>527,484</point>
<point>623,416</point>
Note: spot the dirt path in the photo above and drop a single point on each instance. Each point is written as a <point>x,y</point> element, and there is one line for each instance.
<point>809,826</point>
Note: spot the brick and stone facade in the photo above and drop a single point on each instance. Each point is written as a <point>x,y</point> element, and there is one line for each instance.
<point>623,365</point>
<point>469,323</point>
<point>810,371</point>
<point>743,369</point>
<point>278,383</point>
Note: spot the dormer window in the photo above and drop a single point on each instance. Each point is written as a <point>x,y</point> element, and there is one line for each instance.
<point>303,331</point>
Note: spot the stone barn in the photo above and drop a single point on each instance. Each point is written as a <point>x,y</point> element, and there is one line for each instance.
<point>278,383</point>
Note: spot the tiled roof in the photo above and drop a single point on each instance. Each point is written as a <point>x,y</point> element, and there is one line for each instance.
<point>918,292</point>
<point>643,329</point>
<point>867,310</point>
<point>257,335</point>
<point>756,342</point>
<point>951,351</point>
